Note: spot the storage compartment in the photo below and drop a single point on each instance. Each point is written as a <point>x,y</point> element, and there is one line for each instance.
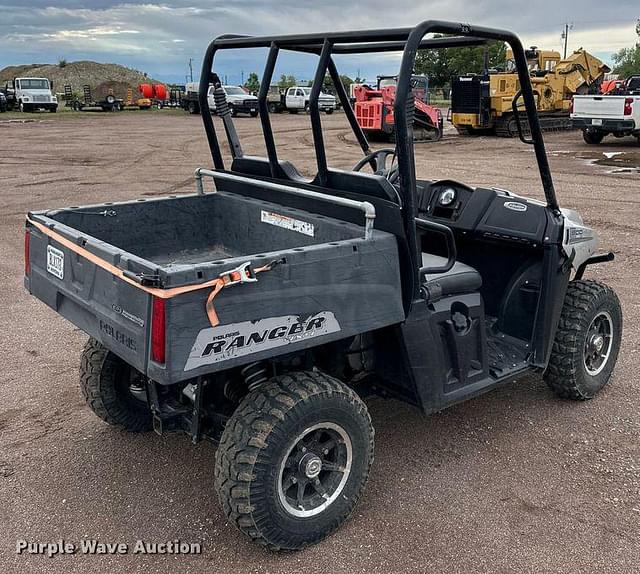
<point>208,228</point>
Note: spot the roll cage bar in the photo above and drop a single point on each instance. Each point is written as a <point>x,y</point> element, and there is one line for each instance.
<point>407,40</point>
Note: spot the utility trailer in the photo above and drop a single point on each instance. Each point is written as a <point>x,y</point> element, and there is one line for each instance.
<point>260,314</point>
<point>109,103</point>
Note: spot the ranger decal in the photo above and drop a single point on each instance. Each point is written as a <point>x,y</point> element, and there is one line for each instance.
<point>216,344</point>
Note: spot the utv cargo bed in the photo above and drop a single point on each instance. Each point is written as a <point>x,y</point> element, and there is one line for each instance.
<point>330,279</point>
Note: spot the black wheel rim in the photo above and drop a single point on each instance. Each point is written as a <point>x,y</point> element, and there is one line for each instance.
<point>315,469</point>
<point>598,343</point>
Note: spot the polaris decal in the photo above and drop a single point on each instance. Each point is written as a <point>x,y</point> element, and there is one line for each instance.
<point>286,222</point>
<point>515,206</point>
<point>216,344</point>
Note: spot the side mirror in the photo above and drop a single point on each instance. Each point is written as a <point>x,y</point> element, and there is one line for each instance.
<point>51,85</point>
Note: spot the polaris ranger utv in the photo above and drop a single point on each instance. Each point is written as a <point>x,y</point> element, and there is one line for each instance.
<point>258,314</point>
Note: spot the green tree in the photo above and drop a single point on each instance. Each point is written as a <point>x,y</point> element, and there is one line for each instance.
<point>286,82</point>
<point>252,85</point>
<point>627,60</point>
<point>328,86</point>
<point>440,65</point>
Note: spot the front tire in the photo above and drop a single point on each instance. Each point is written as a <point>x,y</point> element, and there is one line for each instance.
<point>114,390</point>
<point>294,459</point>
<point>587,341</point>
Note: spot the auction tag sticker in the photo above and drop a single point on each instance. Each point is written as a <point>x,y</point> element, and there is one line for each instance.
<point>286,222</point>
<point>55,262</point>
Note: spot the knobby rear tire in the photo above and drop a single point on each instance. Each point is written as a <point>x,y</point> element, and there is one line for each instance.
<point>104,381</point>
<point>257,441</point>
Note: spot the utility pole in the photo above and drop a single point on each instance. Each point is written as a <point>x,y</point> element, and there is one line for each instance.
<point>565,37</point>
<point>191,68</point>
<point>242,77</point>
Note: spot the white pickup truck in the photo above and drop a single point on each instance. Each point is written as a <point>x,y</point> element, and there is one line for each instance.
<point>239,101</point>
<point>30,94</point>
<point>296,99</point>
<point>598,116</point>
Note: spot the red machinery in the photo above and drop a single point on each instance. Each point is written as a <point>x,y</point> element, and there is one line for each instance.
<point>374,109</point>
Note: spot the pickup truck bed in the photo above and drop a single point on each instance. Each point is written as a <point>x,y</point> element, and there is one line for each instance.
<point>331,283</point>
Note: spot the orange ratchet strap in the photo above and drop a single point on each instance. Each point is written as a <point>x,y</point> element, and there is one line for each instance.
<point>242,274</point>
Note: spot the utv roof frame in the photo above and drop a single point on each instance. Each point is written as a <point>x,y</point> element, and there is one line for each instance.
<point>407,40</point>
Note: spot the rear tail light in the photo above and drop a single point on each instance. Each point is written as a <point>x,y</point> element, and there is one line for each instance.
<point>158,331</point>
<point>571,106</point>
<point>27,255</point>
<point>628,106</point>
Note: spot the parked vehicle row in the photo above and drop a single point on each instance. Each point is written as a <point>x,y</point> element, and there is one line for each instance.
<point>293,100</point>
<point>614,111</point>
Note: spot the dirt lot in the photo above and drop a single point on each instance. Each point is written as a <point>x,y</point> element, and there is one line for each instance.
<point>515,481</point>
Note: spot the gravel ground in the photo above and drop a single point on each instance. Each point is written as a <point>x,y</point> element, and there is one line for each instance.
<point>514,481</point>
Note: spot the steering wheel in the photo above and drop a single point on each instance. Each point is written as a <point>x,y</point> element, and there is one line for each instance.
<point>378,160</point>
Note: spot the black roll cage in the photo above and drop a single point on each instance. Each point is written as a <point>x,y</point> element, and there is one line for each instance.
<point>407,40</point>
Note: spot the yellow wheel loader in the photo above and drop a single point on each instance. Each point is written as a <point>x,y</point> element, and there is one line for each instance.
<point>484,103</point>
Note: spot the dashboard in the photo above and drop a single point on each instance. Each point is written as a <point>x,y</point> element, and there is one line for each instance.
<point>493,214</point>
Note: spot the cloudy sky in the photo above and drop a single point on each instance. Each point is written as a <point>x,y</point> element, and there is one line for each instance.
<point>160,38</point>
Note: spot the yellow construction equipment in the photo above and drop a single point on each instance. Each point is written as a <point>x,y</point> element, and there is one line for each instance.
<point>483,103</point>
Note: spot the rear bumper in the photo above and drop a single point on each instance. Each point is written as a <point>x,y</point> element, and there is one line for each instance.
<point>607,125</point>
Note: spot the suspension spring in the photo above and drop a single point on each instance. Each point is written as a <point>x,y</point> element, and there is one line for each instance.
<point>255,375</point>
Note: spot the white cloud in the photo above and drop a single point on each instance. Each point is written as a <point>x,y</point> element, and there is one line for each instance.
<point>65,35</point>
<point>594,40</point>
